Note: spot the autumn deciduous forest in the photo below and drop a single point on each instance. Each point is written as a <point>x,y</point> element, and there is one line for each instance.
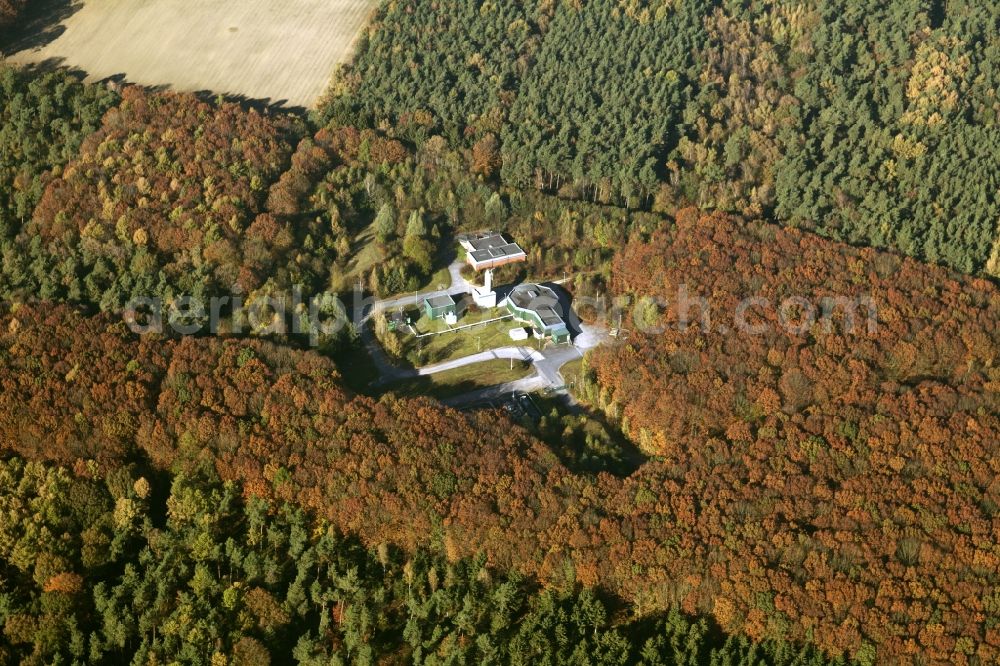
<point>46,117</point>
<point>282,582</point>
<point>820,491</point>
<point>837,444</point>
<point>121,218</point>
<point>824,487</point>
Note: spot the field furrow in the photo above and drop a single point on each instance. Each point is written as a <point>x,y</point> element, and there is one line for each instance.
<point>278,50</point>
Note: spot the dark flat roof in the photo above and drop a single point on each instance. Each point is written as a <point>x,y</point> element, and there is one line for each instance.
<point>549,316</point>
<point>492,247</point>
<point>488,241</point>
<point>538,299</point>
<point>497,252</point>
<point>440,301</point>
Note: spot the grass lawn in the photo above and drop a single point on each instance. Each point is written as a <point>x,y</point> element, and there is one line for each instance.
<point>448,345</point>
<point>366,255</point>
<point>462,380</point>
<point>439,280</point>
<point>471,316</point>
<point>571,372</point>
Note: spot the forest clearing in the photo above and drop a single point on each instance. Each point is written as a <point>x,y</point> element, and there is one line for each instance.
<point>618,332</point>
<point>283,52</point>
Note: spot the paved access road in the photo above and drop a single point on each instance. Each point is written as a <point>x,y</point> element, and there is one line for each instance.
<point>459,286</point>
<point>388,371</point>
<point>503,353</point>
<point>546,362</point>
<point>489,394</point>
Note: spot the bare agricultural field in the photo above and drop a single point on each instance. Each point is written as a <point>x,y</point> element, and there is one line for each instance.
<point>280,50</point>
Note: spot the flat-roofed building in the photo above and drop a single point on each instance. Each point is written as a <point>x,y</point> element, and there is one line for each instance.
<point>441,306</point>
<point>484,252</point>
<point>518,334</point>
<point>491,250</point>
<point>539,306</point>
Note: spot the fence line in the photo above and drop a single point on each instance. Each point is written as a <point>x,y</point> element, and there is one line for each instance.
<point>464,326</point>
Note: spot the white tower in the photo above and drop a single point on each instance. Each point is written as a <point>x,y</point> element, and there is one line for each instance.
<point>484,296</point>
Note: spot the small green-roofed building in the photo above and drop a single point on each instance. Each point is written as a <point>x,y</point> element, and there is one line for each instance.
<point>439,307</point>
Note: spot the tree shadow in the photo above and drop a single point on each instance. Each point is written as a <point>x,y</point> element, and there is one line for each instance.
<point>585,440</point>
<point>40,24</point>
<point>565,308</point>
<point>263,105</point>
<point>446,253</point>
<point>50,65</point>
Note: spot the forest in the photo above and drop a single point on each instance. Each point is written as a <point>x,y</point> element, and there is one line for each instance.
<point>876,447</point>
<point>873,123</point>
<point>115,196</point>
<point>10,10</point>
<point>46,116</point>
<point>808,495</point>
<point>158,568</point>
<point>797,490</point>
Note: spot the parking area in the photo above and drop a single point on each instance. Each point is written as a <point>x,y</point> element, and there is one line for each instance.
<point>518,405</point>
